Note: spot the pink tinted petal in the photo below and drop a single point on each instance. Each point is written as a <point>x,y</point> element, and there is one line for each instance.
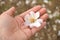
<point>37,15</point>
<point>39,20</point>
<point>32,14</point>
<point>26,17</point>
<point>37,24</point>
<point>31,25</point>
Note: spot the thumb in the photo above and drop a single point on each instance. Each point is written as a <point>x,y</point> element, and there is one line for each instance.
<point>10,11</point>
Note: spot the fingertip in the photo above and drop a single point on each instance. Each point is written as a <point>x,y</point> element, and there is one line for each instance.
<point>44,17</point>
<point>46,14</point>
<point>38,6</point>
<point>44,8</point>
<point>42,11</point>
<point>13,8</point>
<point>10,11</point>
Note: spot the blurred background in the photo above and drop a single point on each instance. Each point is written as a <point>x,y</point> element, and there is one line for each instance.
<point>52,29</point>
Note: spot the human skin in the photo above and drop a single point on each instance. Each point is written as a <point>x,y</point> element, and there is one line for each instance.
<point>13,28</point>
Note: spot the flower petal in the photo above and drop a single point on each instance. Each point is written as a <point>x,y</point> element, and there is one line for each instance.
<point>37,24</point>
<point>32,14</point>
<point>37,15</point>
<point>39,20</point>
<point>27,18</point>
<point>31,25</point>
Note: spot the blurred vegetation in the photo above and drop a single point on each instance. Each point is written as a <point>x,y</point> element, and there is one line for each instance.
<point>52,29</point>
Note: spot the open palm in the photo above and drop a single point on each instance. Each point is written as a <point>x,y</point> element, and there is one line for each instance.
<point>13,28</point>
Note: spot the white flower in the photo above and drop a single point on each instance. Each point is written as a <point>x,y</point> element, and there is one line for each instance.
<point>59,33</point>
<point>46,1</point>
<point>33,19</point>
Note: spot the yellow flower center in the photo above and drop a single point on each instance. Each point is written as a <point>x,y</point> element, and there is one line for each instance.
<point>32,20</point>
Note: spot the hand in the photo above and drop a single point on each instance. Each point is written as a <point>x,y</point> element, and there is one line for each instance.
<point>13,28</point>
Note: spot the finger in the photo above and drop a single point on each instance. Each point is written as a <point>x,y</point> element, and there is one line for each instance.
<point>44,17</point>
<point>10,11</point>
<point>42,11</point>
<point>36,8</point>
<point>34,30</point>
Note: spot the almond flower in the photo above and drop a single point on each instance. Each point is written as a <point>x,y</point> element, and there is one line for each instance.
<point>32,19</point>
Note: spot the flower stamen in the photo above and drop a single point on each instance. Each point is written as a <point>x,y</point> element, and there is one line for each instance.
<point>32,20</point>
